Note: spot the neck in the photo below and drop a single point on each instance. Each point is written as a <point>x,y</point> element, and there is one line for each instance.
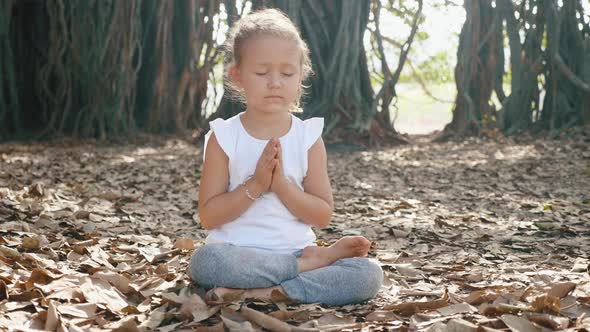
<point>266,120</point>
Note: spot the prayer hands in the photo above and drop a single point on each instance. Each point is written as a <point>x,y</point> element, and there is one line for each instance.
<point>278,175</point>
<point>267,162</point>
<point>269,174</point>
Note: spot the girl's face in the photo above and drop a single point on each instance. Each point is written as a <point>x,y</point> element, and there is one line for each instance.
<point>269,73</point>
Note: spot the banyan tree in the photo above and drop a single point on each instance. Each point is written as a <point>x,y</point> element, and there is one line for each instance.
<point>107,68</point>
<point>340,89</point>
<point>104,68</point>
<point>549,65</point>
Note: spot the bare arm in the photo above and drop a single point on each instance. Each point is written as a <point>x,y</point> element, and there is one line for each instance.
<point>315,204</point>
<point>217,206</point>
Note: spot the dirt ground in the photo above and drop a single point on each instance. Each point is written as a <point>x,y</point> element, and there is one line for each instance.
<point>487,233</point>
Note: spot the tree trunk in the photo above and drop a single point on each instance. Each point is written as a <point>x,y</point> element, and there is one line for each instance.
<point>380,108</point>
<point>9,99</point>
<point>526,65</point>
<point>566,99</point>
<point>87,80</point>
<point>479,57</point>
<point>23,40</point>
<point>179,53</point>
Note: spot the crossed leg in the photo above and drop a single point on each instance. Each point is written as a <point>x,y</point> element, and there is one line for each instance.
<point>312,257</point>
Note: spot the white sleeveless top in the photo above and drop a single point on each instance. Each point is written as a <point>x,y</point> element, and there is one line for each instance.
<point>267,223</point>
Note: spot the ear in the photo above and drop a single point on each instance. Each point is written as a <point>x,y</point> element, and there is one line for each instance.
<point>234,75</point>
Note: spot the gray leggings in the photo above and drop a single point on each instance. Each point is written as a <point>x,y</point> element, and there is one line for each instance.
<point>347,281</point>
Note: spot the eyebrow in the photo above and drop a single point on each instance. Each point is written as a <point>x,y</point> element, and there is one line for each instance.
<point>282,64</point>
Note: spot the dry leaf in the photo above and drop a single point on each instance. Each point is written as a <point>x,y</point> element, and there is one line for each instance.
<point>456,309</point>
<point>81,214</point>
<point>410,308</point>
<point>3,291</point>
<point>31,243</point>
<point>26,295</point>
<point>52,316</point>
<point>127,324</point>
<point>195,309</point>
<point>115,279</point>
<point>82,310</point>
<point>101,292</point>
<point>479,297</point>
<point>219,327</point>
<point>546,302</point>
<point>268,322</point>
<point>382,316</point>
<point>408,271</point>
<point>519,324</point>
<point>184,243</point>
<point>154,318</point>
<point>277,296</point>
<point>9,252</point>
<point>109,196</point>
<point>550,321</point>
<point>562,289</point>
<point>37,189</point>
<point>460,325</point>
<point>233,326</point>
<point>331,322</point>
<point>40,276</point>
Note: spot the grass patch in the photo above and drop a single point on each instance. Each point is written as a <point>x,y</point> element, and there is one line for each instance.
<point>418,113</point>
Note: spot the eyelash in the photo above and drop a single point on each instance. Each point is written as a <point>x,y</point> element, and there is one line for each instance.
<point>262,74</point>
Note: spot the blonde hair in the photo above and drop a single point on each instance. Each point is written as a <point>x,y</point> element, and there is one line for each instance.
<point>270,22</point>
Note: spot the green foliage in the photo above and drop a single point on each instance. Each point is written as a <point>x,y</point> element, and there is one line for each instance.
<point>437,69</point>
<point>422,36</point>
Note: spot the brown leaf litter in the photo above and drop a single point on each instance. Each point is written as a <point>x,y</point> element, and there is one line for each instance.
<point>476,235</point>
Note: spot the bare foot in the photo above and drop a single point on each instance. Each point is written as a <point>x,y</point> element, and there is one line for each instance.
<point>222,295</point>
<point>314,257</point>
<point>351,246</point>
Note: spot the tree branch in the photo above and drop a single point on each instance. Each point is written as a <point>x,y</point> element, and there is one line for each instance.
<point>567,72</point>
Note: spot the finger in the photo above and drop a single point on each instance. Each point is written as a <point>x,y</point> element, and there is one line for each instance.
<point>268,162</point>
<point>273,154</point>
<point>268,155</point>
<point>273,163</point>
<point>280,153</point>
<point>268,146</point>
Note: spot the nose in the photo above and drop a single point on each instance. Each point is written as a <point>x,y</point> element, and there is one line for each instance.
<point>274,82</point>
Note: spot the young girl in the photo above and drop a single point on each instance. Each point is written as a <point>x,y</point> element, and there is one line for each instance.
<point>265,183</point>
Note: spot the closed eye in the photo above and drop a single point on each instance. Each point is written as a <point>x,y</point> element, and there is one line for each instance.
<point>260,74</point>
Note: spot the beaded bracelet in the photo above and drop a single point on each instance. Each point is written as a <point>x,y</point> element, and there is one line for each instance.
<point>247,191</point>
<point>248,194</point>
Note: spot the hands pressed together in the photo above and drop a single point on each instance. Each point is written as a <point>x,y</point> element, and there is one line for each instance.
<point>269,174</point>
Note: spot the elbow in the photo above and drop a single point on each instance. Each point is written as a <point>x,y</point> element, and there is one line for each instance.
<point>204,219</point>
<point>324,220</point>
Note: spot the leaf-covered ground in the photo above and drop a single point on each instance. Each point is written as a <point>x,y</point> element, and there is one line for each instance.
<point>486,233</point>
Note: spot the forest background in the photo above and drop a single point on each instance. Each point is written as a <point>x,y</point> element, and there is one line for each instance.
<point>109,69</point>
<point>481,225</point>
